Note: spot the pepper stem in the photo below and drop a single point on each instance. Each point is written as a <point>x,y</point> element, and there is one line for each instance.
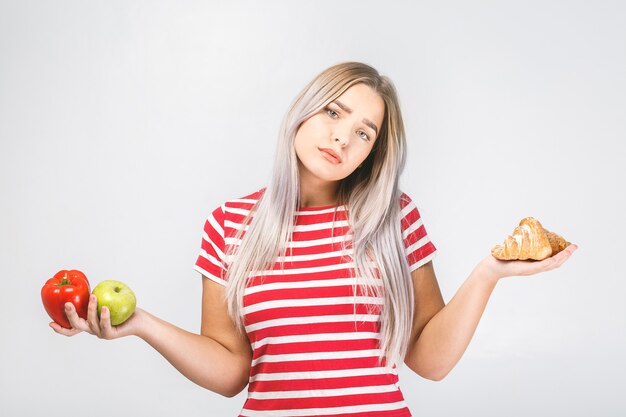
<point>64,281</point>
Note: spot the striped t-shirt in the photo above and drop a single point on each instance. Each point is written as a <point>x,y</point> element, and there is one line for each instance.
<point>312,356</point>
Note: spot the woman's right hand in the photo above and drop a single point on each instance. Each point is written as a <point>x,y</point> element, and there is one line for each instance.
<point>100,327</point>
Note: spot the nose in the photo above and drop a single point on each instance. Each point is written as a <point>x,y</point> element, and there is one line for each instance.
<point>341,135</point>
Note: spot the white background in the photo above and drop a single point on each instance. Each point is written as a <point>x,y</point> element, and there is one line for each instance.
<point>123,124</point>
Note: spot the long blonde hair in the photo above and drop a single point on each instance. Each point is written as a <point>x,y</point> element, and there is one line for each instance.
<point>377,244</point>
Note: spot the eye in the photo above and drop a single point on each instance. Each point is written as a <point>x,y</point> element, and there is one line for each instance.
<point>363,135</point>
<point>331,112</point>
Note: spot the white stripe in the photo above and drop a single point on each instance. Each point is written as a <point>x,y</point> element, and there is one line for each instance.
<point>423,241</point>
<point>416,225</point>
<point>216,225</point>
<point>318,242</point>
<point>318,337</point>
<point>297,228</point>
<point>312,356</point>
<point>209,275</point>
<point>244,211</point>
<point>310,270</point>
<point>242,201</point>
<point>325,411</point>
<point>311,320</point>
<point>314,256</point>
<point>423,261</point>
<point>235,225</point>
<point>320,226</point>
<point>333,392</point>
<point>407,209</point>
<point>337,282</point>
<point>237,210</point>
<point>303,302</point>
<point>217,250</point>
<point>293,376</point>
<point>323,211</point>
<point>301,244</point>
<point>210,258</point>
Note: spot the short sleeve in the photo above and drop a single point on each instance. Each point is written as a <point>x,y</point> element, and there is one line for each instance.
<point>419,249</point>
<point>210,262</point>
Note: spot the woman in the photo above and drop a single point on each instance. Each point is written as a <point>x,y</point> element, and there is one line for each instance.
<point>316,287</point>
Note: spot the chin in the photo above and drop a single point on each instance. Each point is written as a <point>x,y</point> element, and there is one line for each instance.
<point>330,178</point>
<point>325,173</point>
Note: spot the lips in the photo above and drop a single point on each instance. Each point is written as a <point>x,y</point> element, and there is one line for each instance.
<point>330,155</point>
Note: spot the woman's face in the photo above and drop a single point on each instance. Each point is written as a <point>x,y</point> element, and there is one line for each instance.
<point>347,127</point>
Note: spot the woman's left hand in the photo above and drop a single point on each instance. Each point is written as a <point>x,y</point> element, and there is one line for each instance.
<point>497,269</point>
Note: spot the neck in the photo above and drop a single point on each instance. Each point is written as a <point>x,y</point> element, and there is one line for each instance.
<point>318,193</point>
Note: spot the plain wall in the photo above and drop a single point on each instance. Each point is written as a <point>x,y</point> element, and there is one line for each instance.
<point>124,123</point>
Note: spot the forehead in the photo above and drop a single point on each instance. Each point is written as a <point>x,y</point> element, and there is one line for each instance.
<point>365,102</point>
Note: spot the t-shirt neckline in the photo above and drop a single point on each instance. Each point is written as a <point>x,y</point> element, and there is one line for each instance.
<point>319,207</point>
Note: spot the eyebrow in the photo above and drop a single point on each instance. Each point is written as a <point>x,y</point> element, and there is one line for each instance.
<point>348,110</point>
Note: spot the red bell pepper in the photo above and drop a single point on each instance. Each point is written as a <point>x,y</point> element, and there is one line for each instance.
<point>66,285</point>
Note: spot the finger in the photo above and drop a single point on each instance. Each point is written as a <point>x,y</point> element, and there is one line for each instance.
<point>545,265</point>
<point>105,322</point>
<point>554,263</point>
<point>62,330</point>
<point>572,248</point>
<point>558,259</point>
<point>92,315</point>
<point>564,257</point>
<point>72,316</point>
<point>565,254</point>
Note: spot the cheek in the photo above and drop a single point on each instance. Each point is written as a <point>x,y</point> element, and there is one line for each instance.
<point>302,141</point>
<point>312,128</point>
<point>365,152</point>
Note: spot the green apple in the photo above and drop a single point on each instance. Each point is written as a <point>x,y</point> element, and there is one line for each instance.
<point>119,299</point>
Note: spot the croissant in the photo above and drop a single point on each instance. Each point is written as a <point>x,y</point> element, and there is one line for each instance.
<point>529,241</point>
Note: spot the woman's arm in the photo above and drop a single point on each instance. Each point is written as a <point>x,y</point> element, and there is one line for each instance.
<point>441,334</point>
<point>218,359</point>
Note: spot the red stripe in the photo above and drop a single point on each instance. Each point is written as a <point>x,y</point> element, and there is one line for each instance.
<point>323,383</point>
<point>313,219</point>
<point>310,311</point>
<point>299,277</point>
<point>317,249</point>
<point>414,236</point>
<point>313,365</point>
<point>314,263</point>
<point>312,328</point>
<point>208,266</point>
<point>403,412</point>
<point>323,402</point>
<point>304,292</point>
<point>316,346</point>
<point>421,253</point>
<point>326,233</point>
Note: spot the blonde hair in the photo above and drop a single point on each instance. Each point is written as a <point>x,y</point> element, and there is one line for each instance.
<point>374,222</point>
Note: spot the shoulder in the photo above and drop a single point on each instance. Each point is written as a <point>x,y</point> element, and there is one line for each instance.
<point>407,206</point>
<point>230,213</point>
<point>404,199</point>
<point>410,215</point>
<point>239,204</point>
